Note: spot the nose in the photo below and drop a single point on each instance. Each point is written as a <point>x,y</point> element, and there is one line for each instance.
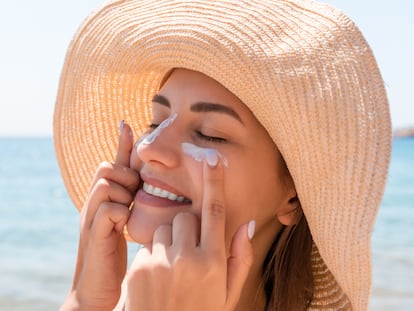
<point>161,147</point>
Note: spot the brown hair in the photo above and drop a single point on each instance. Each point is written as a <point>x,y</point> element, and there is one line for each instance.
<point>287,270</point>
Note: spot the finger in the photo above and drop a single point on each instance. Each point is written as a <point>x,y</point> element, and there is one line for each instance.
<point>144,253</point>
<point>142,260</point>
<point>122,175</point>
<point>137,278</point>
<point>110,219</point>
<point>239,262</point>
<point>161,241</point>
<point>185,231</point>
<point>104,191</point>
<point>125,145</point>
<point>213,209</point>
<point>124,290</point>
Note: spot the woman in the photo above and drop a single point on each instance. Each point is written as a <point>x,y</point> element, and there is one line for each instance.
<point>257,183</point>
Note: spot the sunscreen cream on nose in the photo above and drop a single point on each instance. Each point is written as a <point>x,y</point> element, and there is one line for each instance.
<point>148,140</point>
<point>199,153</point>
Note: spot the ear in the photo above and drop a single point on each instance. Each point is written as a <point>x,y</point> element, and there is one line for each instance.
<point>289,214</point>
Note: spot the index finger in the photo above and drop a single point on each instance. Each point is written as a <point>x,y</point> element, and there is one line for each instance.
<point>213,214</point>
<point>125,145</point>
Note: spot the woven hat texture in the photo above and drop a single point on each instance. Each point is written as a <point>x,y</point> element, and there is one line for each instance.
<point>303,69</point>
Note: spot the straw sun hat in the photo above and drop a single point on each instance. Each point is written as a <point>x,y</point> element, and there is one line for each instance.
<point>304,70</point>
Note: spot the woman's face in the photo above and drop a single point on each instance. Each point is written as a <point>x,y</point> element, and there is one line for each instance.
<point>201,113</point>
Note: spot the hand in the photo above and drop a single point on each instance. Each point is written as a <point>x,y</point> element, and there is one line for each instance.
<point>102,254</point>
<point>180,271</point>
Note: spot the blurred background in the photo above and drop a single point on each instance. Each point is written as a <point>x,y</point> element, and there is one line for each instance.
<point>38,223</point>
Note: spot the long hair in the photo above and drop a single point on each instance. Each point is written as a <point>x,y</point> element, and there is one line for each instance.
<point>287,271</point>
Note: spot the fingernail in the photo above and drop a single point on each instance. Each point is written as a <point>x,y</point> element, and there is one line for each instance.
<point>211,157</point>
<point>251,227</point>
<point>121,126</point>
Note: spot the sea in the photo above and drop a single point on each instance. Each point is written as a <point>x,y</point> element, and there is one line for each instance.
<point>39,230</point>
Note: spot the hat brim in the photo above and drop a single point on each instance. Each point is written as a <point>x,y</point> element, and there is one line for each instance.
<point>309,78</point>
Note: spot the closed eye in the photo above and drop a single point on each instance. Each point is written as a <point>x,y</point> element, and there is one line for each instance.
<point>199,134</point>
<point>213,139</point>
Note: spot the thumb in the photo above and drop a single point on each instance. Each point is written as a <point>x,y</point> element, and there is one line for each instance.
<point>125,145</point>
<point>239,262</point>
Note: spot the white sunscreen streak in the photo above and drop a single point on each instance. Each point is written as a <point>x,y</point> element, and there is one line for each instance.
<point>153,136</point>
<point>199,154</point>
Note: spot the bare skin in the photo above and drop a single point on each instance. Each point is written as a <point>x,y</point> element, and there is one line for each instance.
<point>198,253</point>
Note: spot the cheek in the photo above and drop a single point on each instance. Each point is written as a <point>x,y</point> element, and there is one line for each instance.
<point>237,198</point>
<point>234,216</point>
<point>194,182</point>
<point>252,194</point>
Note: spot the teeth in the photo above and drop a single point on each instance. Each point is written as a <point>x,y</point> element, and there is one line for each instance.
<point>172,196</point>
<point>163,193</point>
<point>157,192</point>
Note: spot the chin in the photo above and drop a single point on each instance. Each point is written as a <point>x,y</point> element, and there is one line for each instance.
<point>141,231</point>
<point>141,235</point>
<point>142,224</point>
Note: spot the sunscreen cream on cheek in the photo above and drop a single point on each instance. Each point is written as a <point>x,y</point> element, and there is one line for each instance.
<point>199,153</point>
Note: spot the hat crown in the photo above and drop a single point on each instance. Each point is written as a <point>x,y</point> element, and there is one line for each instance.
<point>303,69</point>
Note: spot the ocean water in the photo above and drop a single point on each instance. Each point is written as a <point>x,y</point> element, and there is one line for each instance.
<point>39,230</point>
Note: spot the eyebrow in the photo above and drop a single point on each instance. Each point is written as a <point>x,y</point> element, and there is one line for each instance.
<point>201,107</point>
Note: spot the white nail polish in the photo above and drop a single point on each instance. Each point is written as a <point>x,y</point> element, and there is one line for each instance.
<point>121,126</point>
<point>211,157</point>
<point>251,227</point>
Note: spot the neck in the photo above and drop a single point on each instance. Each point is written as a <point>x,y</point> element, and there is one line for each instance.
<point>253,296</point>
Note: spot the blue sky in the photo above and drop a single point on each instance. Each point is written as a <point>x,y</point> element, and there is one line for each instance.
<point>35,34</point>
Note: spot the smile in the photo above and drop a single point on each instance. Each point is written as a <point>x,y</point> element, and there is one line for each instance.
<point>162,193</point>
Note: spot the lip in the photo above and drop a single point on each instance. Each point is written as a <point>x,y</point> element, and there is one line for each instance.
<point>145,198</point>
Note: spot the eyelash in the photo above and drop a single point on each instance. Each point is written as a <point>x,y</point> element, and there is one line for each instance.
<point>199,134</point>
<point>210,138</point>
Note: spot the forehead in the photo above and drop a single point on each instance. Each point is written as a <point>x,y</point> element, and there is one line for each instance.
<point>184,85</point>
